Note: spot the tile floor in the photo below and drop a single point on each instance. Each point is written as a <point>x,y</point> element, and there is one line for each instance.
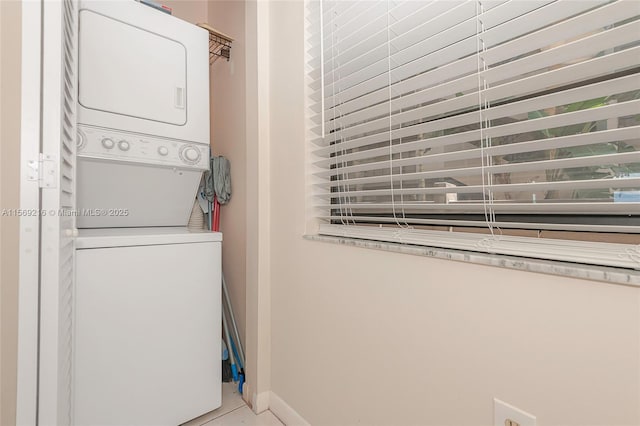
<point>234,412</point>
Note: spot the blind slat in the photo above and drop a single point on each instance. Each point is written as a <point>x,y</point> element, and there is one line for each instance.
<point>619,183</point>
<point>626,157</point>
<point>469,223</point>
<point>506,208</point>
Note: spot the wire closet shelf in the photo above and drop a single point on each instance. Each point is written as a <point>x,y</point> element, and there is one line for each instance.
<point>219,44</point>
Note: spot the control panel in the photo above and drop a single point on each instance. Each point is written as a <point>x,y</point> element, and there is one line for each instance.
<point>95,142</point>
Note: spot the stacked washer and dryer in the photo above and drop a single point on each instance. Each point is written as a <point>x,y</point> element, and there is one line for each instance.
<point>147,294</point>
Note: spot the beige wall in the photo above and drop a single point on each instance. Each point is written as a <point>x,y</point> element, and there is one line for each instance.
<point>228,138</point>
<point>194,11</point>
<point>10,16</point>
<point>370,337</point>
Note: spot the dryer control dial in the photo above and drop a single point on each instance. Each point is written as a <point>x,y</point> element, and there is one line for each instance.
<point>81,140</point>
<point>108,143</point>
<point>190,154</point>
<point>124,145</point>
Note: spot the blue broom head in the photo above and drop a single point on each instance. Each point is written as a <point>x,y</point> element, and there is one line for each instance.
<point>240,383</point>
<point>234,370</point>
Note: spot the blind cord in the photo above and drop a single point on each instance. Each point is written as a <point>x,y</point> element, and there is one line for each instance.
<point>393,201</point>
<point>334,107</point>
<point>489,213</point>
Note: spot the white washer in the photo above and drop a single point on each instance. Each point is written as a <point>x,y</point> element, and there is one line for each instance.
<point>131,180</point>
<point>147,326</point>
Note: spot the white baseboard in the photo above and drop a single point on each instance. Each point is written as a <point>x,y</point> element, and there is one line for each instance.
<point>284,412</point>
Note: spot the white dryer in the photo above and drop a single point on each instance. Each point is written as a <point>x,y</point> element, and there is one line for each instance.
<point>147,326</point>
<point>143,71</point>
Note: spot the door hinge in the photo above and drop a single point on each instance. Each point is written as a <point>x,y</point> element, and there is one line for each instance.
<point>44,170</point>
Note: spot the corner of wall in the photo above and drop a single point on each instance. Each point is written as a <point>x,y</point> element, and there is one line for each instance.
<point>258,238</point>
<point>260,402</point>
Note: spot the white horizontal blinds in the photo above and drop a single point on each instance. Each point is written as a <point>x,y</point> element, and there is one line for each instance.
<point>440,109</point>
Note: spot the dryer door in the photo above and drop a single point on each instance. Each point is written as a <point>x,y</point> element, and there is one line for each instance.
<point>130,71</point>
<point>142,71</point>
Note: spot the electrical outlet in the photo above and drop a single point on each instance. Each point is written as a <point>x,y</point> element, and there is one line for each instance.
<point>507,415</point>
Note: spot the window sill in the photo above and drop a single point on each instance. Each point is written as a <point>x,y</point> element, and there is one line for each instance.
<point>611,275</point>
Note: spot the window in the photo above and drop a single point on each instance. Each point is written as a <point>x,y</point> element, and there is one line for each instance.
<point>519,119</point>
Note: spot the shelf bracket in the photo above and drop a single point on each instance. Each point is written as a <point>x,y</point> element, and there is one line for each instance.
<point>219,44</point>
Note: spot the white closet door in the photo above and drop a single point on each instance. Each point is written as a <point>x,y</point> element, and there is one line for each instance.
<point>59,89</point>
<point>29,285</point>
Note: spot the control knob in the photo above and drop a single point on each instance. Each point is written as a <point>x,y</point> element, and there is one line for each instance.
<point>108,143</point>
<point>190,154</point>
<point>124,145</point>
<point>80,140</point>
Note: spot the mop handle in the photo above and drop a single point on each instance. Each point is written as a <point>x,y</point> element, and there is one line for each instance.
<point>233,320</point>
<point>234,369</point>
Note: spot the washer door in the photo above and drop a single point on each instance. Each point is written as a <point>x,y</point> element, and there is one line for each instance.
<point>130,71</point>
<point>113,194</point>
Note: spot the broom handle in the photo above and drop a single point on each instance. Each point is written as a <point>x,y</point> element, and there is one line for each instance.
<point>234,369</point>
<point>233,320</point>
